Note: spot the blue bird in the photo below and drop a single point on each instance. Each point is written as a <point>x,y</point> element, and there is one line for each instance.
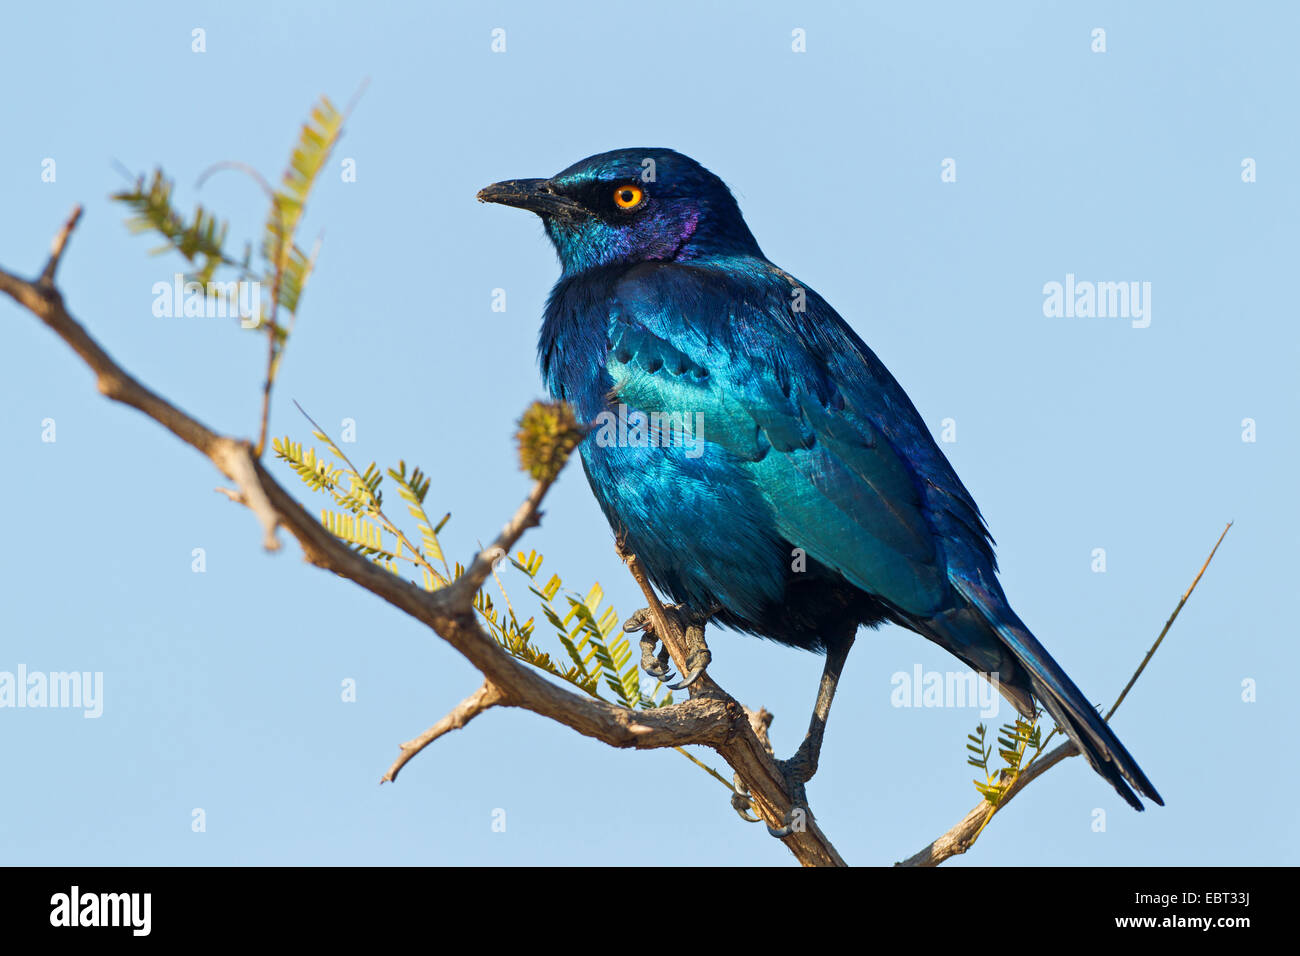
<point>754,453</point>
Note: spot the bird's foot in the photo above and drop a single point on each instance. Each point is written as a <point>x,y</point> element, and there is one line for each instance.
<point>796,821</point>
<point>698,659</point>
<point>656,665</point>
<point>797,773</point>
<point>691,624</point>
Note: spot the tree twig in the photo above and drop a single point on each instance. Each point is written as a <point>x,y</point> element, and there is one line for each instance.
<point>962,837</point>
<point>482,699</point>
<point>56,249</point>
<point>1168,624</point>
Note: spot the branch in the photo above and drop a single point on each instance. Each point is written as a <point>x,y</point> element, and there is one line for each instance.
<point>755,759</point>
<point>716,721</point>
<point>482,699</point>
<point>962,836</point>
<point>528,515</point>
<point>56,249</point>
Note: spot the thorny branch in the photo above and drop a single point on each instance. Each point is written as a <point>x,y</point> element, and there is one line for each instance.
<point>710,718</point>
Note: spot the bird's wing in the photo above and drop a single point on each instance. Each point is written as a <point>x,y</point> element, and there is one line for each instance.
<point>701,343</point>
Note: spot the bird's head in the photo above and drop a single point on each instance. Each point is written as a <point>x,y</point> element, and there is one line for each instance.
<point>632,205</point>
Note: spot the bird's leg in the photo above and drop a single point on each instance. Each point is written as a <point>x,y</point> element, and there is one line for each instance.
<point>799,769</point>
<point>691,624</point>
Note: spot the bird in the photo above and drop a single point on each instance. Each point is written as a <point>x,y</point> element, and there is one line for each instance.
<point>755,455</point>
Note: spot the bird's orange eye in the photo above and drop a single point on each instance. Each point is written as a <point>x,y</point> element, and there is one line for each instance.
<point>628,197</point>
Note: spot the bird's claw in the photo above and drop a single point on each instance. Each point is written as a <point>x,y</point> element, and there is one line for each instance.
<point>795,821</point>
<point>639,621</point>
<point>692,627</point>
<point>698,662</point>
<point>655,665</point>
<point>740,801</point>
<point>788,828</point>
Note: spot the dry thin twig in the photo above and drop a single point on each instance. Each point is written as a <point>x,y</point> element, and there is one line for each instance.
<point>962,836</point>
<point>482,699</point>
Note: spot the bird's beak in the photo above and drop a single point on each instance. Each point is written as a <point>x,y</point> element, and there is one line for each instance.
<point>535,195</point>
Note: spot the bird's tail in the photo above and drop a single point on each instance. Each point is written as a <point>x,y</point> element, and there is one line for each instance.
<point>1062,699</point>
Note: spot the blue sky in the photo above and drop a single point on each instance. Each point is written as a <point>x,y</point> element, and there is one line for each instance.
<point>221,690</point>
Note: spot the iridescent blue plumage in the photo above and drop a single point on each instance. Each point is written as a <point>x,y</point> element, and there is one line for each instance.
<point>813,500</point>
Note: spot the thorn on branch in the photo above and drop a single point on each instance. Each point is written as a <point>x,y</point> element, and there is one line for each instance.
<point>46,281</point>
<point>761,721</point>
<point>236,460</point>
